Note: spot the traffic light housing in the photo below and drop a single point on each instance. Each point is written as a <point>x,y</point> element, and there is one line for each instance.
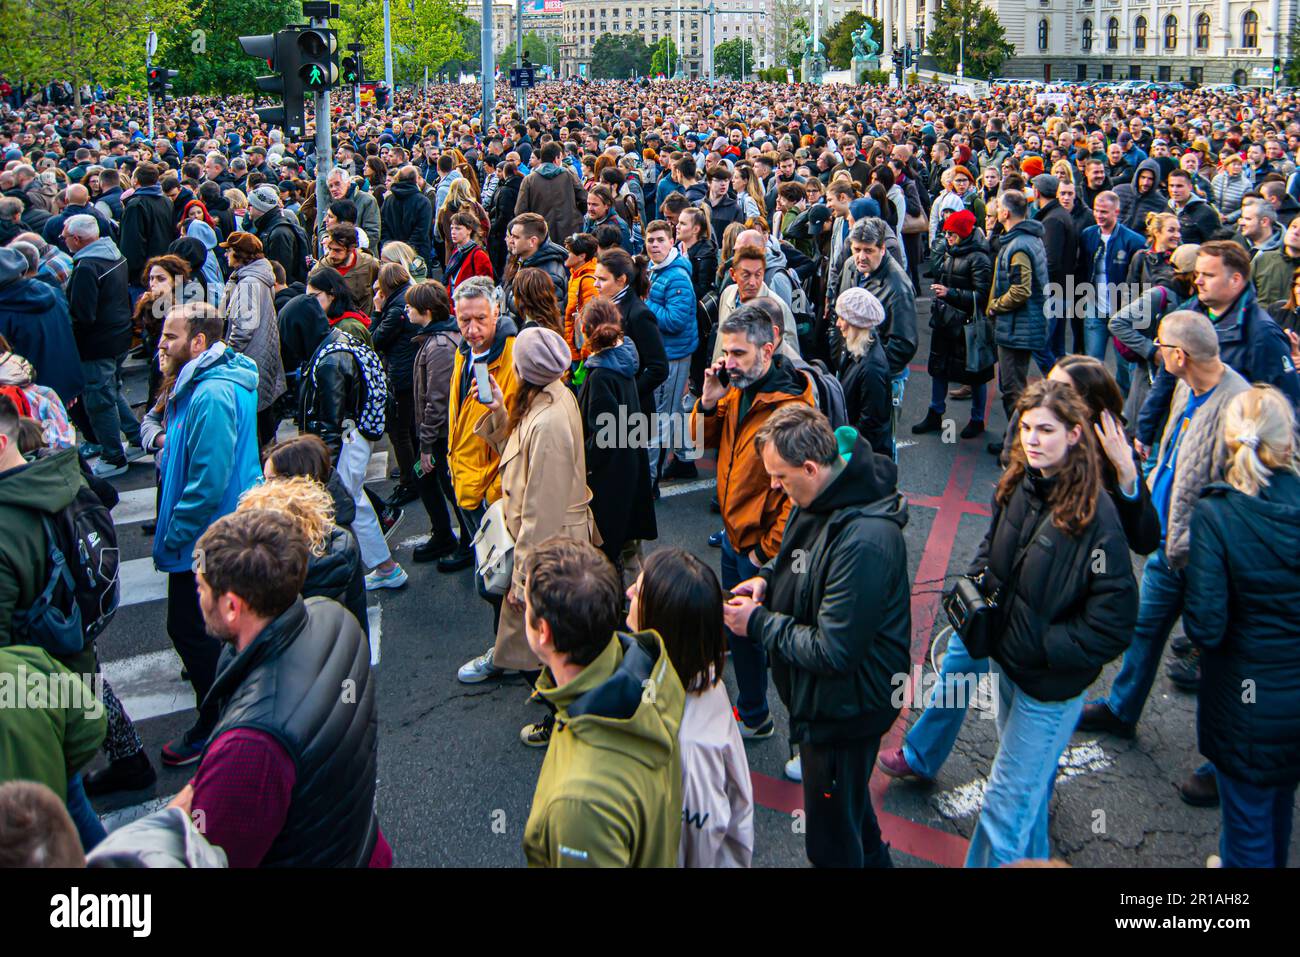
<point>280,51</point>
<point>318,59</point>
<point>351,70</point>
<point>160,81</point>
<point>1277,66</point>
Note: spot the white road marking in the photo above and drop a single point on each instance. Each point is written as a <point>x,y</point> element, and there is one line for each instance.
<point>375,617</point>
<point>137,505</point>
<point>685,488</point>
<point>968,799</point>
<point>141,582</point>
<point>150,685</point>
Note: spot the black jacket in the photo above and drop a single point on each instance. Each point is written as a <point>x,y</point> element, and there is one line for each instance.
<point>407,216</point>
<point>967,270</point>
<point>283,242</point>
<point>220,210</point>
<point>704,266</point>
<point>339,574</point>
<point>1061,239</point>
<point>302,327</point>
<point>337,394</point>
<point>868,401</point>
<point>1243,580</point>
<point>1198,221</point>
<point>286,684</point>
<point>640,326</point>
<point>394,338</point>
<point>99,303</point>
<point>891,285</point>
<point>1075,600</point>
<point>549,258</point>
<point>501,211</point>
<point>618,474</point>
<point>147,230</point>
<point>727,211</point>
<point>836,621</point>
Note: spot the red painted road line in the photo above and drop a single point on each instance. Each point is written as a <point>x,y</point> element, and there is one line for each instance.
<point>936,502</point>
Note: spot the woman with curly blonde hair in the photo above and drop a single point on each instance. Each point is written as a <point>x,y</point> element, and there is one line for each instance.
<point>334,568</point>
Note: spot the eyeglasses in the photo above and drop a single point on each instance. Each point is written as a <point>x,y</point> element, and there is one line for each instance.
<point>1166,345</point>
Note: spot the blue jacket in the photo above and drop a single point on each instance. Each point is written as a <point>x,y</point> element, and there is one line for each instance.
<point>1249,341</point>
<point>210,456</point>
<point>1243,579</point>
<point>589,226</point>
<point>1123,246</point>
<point>672,300</point>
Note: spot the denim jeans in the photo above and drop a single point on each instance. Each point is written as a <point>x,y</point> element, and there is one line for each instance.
<point>1033,735</point>
<point>670,433</point>
<point>897,386</point>
<point>1256,823</point>
<point>1160,605</point>
<point>747,655</point>
<point>939,398</point>
<point>1096,335</point>
<point>109,413</point>
<point>930,740</point>
<point>89,827</point>
<point>1054,346</point>
<point>353,459</point>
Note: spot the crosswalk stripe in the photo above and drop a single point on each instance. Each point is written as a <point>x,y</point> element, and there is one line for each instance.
<point>125,815</point>
<point>150,686</point>
<point>136,505</point>
<point>141,582</point>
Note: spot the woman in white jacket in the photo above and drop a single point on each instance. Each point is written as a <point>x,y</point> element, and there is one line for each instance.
<point>678,596</point>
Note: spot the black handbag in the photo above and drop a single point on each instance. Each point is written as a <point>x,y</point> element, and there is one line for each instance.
<point>972,611</point>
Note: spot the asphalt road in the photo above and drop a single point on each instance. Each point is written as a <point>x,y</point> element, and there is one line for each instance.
<point>455,783</point>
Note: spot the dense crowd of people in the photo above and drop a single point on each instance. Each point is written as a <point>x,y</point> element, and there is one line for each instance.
<point>546,316</point>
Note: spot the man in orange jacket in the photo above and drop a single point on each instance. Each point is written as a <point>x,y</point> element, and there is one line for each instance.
<point>727,417</point>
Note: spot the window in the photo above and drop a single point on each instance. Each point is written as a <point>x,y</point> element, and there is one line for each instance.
<point>1196,74</point>
<point>1107,71</point>
<point>1042,34</point>
<point>1250,30</point>
<point>1171,32</point>
<point>1140,33</point>
<point>1135,71</point>
<point>1203,32</point>
<point>1087,34</point>
<point>1163,74</point>
<point>1112,34</point>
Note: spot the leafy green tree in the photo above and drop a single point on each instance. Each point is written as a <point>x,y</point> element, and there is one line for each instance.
<point>838,40</point>
<point>83,41</point>
<point>1291,68</point>
<point>666,58</point>
<point>218,64</point>
<point>798,32</point>
<point>541,49</point>
<point>618,56</point>
<point>362,21</point>
<point>426,34</point>
<point>727,59</point>
<point>985,41</point>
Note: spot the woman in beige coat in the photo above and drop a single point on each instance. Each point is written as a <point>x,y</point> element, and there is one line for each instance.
<point>543,477</point>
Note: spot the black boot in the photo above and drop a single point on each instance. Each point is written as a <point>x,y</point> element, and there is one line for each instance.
<point>932,422</point>
<point>455,561</point>
<point>973,429</point>
<point>1200,790</point>
<point>434,548</point>
<point>134,773</point>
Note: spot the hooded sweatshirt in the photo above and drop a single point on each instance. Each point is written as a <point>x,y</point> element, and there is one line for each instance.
<point>251,326</point>
<point>1134,203</point>
<point>34,318</point>
<point>610,790</point>
<point>211,268</point>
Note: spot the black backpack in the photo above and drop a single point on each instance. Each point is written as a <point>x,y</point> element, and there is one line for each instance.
<point>82,592</point>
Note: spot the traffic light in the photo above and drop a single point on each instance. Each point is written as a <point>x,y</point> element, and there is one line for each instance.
<point>160,81</point>
<point>318,62</point>
<point>351,71</point>
<point>280,51</point>
<point>1277,66</point>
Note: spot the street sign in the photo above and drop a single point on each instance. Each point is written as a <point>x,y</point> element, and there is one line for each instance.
<point>1261,73</point>
<point>522,79</point>
<point>151,45</point>
<point>961,89</point>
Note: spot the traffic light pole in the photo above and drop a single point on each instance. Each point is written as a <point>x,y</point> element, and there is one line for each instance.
<point>148,65</point>
<point>521,95</point>
<point>324,148</point>
<point>487,74</point>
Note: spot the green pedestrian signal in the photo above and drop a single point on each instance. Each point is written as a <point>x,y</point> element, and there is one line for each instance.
<point>318,59</point>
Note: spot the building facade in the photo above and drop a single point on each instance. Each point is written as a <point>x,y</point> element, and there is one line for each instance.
<point>503,21</point>
<point>1206,41</point>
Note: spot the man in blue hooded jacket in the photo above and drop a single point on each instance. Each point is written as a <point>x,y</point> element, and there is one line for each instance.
<point>208,457</point>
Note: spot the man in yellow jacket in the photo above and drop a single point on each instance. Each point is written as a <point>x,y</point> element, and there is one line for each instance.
<point>610,790</point>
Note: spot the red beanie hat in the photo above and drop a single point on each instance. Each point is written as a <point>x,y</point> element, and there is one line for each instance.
<point>963,154</point>
<point>1032,166</point>
<point>961,222</point>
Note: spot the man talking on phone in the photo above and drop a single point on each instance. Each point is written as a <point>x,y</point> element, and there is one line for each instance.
<point>742,390</point>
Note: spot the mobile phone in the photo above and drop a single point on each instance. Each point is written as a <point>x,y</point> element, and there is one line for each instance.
<point>484,382</point>
<point>724,377</point>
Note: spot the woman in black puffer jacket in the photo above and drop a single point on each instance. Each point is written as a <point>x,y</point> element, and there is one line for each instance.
<point>1058,561</point>
<point>1243,584</point>
<point>963,271</point>
<point>394,337</point>
<point>864,371</point>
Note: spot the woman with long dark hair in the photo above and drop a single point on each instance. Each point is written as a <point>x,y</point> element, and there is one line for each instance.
<point>678,596</point>
<point>1057,560</point>
<point>533,295</point>
<point>331,291</point>
<point>622,498</point>
<point>625,281</point>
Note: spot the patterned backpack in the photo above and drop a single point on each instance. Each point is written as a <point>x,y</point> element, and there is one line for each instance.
<point>374,406</point>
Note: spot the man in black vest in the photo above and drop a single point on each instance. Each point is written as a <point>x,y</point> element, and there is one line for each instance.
<point>288,776</point>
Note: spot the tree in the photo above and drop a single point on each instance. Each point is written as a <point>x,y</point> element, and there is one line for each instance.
<point>426,35</point>
<point>727,59</point>
<point>1291,71</point>
<point>838,40</point>
<point>985,41</point>
<point>540,49</point>
<point>618,56</point>
<point>788,31</point>
<point>219,64</point>
<point>362,21</point>
<point>83,41</point>
<point>666,58</point>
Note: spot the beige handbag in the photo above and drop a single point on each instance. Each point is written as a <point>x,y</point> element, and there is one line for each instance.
<point>494,550</point>
<point>919,223</point>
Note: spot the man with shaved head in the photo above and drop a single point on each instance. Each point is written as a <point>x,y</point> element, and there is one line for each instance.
<point>76,202</point>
